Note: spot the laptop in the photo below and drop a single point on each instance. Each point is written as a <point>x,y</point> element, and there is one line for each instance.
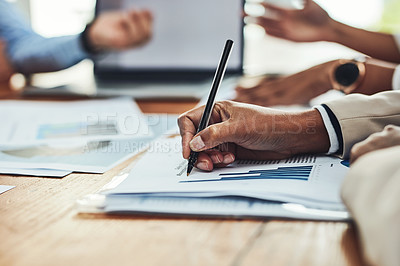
<point>180,59</point>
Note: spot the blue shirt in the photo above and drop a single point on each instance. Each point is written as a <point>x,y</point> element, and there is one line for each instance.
<point>29,52</point>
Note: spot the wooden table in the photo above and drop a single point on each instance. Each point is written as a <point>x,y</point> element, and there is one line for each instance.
<point>39,226</point>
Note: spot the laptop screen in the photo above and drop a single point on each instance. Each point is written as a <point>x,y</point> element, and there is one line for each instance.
<point>188,37</point>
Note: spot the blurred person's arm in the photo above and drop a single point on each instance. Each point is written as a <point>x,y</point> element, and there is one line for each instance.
<point>29,52</point>
<point>301,87</point>
<point>314,24</point>
<point>371,192</point>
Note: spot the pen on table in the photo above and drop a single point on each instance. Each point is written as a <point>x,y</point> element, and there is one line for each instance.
<point>205,118</point>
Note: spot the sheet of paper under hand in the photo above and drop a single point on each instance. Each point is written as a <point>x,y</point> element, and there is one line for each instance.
<point>309,181</point>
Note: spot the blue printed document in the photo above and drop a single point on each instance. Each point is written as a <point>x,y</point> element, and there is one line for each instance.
<point>304,187</point>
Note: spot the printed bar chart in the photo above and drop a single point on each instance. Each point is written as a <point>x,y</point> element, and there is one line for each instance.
<point>296,173</point>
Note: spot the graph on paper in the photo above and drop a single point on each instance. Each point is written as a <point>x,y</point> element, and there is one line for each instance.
<point>77,129</point>
<point>295,172</point>
<point>310,180</point>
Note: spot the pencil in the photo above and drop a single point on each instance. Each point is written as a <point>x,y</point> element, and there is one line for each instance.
<point>205,118</point>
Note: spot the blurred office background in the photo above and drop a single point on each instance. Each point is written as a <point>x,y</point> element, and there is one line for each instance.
<point>263,54</point>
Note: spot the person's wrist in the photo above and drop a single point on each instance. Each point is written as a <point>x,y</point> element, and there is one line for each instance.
<point>320,76</point>
<point>378,77</point>
<point>324,76</point>
<point>312,136</point>
<point>89,40</point>
<point>334,31</point>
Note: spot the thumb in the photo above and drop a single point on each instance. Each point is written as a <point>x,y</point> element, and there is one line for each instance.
<point>211,137</point>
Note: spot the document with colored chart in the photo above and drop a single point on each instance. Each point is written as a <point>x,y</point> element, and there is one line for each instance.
<point>308,184</point>
<point>40,138</point>
<point>29,123</point>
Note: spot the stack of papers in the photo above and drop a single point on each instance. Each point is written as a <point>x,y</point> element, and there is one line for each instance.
<point>56,138</point>
<point>304,187</point>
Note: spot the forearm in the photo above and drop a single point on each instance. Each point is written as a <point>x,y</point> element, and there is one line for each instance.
<point>317,80</point>
<point>378,77</point>
<point>28,52</point>
<point>34,54</point>
<point>378,45</point>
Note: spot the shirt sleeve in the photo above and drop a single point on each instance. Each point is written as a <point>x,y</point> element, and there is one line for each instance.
<point>397,40</point>
<point>396,79</point>
<point>333,138</point>
<point>359,116</point>
<point>30,52</point>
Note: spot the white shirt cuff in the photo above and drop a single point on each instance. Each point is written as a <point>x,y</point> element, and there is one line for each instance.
<point>396,79</point>
<point>333,139</point>
<point>397,40</point>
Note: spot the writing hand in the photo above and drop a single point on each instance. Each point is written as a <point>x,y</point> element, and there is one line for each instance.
<point>242,131</point>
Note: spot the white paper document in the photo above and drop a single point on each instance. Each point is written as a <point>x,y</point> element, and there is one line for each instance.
<point>311,182</point>
<point>55,138</point>
<point>41,172</point>
<point>90,157</point>
<point>28,123</point>
<point>4,188</point>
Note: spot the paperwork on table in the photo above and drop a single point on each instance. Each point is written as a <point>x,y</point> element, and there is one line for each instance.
<point>55,138</point>
<point>35,172</point>
<point>304,187</point>
<point>90,157</point>
<point>27,123</point>
<point>4,188</point>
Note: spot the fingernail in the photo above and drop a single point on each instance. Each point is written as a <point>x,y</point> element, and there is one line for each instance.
<point>229,158</point>
<point>203,166</point>
<point>197,144</point>
<point>215,159</point>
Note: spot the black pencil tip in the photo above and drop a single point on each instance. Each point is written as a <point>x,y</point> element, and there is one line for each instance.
<point>189,170</point>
